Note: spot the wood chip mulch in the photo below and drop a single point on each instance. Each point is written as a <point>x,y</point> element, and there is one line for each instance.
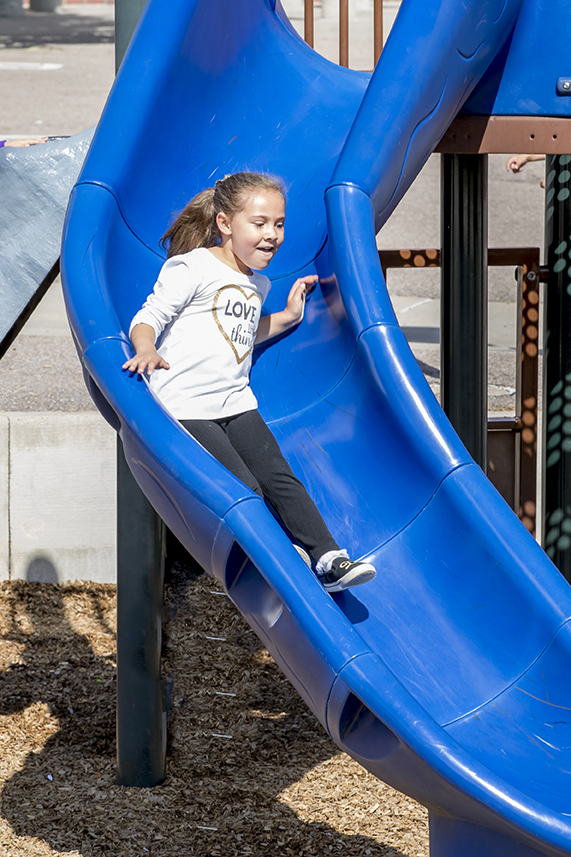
<point>250,771</point>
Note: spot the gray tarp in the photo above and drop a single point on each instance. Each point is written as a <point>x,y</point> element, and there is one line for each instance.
<point>35,184</point>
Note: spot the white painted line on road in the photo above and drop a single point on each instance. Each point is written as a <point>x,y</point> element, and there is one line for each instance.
<point>494,390</point>
<point>413,306</point>
<point>30,66</point>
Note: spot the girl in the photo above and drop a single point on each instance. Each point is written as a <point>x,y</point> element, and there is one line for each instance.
<point>206,307</point>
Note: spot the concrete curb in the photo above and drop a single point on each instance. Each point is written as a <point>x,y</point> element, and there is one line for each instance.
<point>58,503</point>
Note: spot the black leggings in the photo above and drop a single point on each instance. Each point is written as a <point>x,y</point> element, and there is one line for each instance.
<point>246,447</point>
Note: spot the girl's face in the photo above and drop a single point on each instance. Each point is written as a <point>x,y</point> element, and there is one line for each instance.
<point>252,237</point>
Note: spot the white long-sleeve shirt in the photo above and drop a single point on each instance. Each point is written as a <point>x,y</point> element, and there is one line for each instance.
<point>205,316</point>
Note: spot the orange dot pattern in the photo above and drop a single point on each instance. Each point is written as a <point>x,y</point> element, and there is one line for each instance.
<point>529,373</point>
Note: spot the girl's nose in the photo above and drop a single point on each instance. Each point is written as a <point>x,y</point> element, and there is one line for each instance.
<point>270,231</point>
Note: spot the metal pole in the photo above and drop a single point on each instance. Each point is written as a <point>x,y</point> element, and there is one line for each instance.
<point>308,22</point>
<point>377,30</point>
<point>556,462</point>
<point>464,300</point>
<point>344,33</point>
<point>141,694</point>
<point>127,14</point>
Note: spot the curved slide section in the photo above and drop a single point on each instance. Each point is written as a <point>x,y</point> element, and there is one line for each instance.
<point>446,676</point>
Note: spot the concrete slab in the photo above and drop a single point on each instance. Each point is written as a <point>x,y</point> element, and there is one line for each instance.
<point>62,510</point>
<point>49,318</point>
<point>420,321</point>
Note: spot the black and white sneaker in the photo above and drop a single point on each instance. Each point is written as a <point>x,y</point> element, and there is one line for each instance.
<point>343,574</point>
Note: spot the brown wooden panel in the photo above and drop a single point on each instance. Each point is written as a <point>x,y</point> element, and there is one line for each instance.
<point>533,135</point>
<point>502,463</point>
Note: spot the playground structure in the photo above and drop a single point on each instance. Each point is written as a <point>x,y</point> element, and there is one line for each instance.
<point>443,675</point>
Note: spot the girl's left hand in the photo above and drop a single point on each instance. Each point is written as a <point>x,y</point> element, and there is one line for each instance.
<point>295,305</point>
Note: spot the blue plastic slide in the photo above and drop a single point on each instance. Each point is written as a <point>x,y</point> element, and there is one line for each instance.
<point>448,676</point>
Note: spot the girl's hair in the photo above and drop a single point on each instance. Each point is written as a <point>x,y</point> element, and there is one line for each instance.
<point>196,226</point>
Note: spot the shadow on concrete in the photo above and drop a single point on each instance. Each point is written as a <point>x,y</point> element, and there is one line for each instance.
<point>428,370</point>
<point>422,334</point>
<point>42,570</point>
<point>35,29</point>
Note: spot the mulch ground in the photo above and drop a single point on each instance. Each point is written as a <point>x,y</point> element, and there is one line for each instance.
<point>250,771</point>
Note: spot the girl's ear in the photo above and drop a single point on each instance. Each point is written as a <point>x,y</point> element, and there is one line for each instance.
<point>223,223</point>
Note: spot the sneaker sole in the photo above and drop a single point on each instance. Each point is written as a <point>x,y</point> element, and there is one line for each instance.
<point>353,578</point>
<point>304,555</point>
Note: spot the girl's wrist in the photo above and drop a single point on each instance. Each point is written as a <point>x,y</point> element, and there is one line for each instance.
<point>291,317</point>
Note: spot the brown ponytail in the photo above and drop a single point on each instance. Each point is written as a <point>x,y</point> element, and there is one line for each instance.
<point>196,226</point>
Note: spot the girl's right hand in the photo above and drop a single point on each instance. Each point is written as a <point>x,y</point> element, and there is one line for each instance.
<point>145,360</point>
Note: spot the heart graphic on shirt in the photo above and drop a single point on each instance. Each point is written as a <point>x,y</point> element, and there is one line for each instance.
<point>237,315</point>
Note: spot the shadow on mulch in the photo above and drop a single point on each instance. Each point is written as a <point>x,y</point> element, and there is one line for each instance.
<point>35,29</point>
<point>239,736</point>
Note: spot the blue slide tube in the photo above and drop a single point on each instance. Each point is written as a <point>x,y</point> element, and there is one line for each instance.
<point>447,675</point>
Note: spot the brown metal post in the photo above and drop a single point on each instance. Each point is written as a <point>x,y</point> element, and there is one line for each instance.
<point>377,29</point>
<point>527,374</point>
<point>344,33</point>
<point>308,22</point>
<point>528,354</point>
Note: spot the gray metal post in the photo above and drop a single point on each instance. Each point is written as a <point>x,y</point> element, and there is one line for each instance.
<point>11,9</point>
<point>464,299</point>
<point>127,14</point>
<point>556,462</point>
<point>141,694</point>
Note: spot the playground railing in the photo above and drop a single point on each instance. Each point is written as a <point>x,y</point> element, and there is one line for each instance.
<point>309,26</point>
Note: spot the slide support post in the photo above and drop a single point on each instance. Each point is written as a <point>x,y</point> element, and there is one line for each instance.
<point>127,14</point>
<point>556,429</point>
<point>464,300</point>
<point>141,692</point>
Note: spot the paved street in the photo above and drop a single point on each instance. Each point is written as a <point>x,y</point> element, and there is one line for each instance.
<point>68,95</point>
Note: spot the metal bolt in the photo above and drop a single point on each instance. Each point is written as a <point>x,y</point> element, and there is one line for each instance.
<point>531,277</point>
<point>566,85</point>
